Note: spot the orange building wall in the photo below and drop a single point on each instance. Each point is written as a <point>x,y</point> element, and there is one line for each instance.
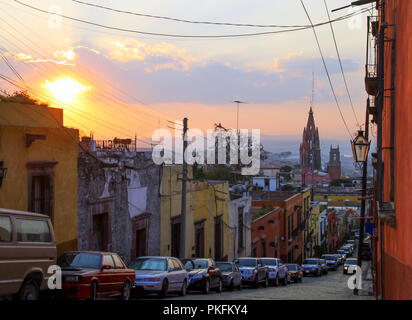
<point>398,241</point>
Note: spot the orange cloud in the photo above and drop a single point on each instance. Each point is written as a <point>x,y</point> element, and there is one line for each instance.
<point>161,55</point>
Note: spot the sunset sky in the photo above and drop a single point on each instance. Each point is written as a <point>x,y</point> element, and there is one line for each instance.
<point>115,83</point>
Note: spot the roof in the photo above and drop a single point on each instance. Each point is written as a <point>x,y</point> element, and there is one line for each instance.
<point>273,195</point>
<point>25,213</point>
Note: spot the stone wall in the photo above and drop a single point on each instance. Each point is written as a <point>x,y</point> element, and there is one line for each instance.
<point>125,187</point>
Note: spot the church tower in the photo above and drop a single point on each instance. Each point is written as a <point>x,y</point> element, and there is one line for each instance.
<point>334,164</point>
<point>310,146</point>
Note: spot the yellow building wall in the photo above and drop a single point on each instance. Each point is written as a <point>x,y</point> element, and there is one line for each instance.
<point>314,224</point>
<point>211,200</point>
<point>60,145</point>
<point>171,206</point>
<point>339,197</point>
<point>204,201</point>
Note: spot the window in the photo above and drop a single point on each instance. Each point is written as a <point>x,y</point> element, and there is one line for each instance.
<point>108,260</point>
<point>30,230</point>
<point>176,265</point>
<point>170,264</point>
<point>117,262</point>
<point>40,185</point>
<point>5,229</point>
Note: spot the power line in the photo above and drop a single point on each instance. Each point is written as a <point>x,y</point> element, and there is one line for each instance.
<point>181,35</point>
<point>326,69</point>
<point>188,21</point>
<point>340,64</point>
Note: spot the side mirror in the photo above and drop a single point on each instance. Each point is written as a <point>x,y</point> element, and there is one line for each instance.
<point>106,267</point>
<point>170,269</point>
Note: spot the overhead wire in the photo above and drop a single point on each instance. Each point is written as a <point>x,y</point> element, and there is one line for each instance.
<point>340,64</point>
<point>179,35</point>
<point>326,70</point>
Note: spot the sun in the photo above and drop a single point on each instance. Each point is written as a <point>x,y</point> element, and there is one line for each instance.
<point>65,89</point>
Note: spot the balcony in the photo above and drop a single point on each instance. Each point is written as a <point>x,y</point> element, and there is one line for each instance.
<point>371,79</point>
<point>372,109</point>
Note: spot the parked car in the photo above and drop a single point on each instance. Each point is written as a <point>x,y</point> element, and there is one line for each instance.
<point>312,266</point>
<point>350,266</point>
<point>277,271</point>
<point>231,275</point>
<point>253,271</point>
<point>204,275</point>
<point>27,250</point>
<point>160,275</point>
<point>324,266</point>
<point>295,272</point>
<point>88,275</point>
<point>332,261</point>
<point>348,249</point>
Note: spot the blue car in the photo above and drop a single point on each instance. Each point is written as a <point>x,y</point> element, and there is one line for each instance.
<point>312,266</point>
<point>331,261</point>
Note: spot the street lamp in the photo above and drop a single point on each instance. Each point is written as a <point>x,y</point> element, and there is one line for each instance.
<point>3,172</point>
<point>360,147</point>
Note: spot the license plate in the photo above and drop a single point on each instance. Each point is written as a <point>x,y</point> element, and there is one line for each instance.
<point>70,278</point>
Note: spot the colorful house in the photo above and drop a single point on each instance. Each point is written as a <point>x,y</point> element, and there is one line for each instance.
<point>40,155</point>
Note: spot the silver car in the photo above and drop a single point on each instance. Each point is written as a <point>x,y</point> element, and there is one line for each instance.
<point>160,275</point>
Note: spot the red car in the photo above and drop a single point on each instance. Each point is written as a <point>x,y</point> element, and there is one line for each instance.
<point>88,275</point>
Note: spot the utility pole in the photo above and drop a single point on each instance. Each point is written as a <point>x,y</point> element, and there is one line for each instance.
<point>184,180</point>
<point>237,116</point>
<point>362,214</point>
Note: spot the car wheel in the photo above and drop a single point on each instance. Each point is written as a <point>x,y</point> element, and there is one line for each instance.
<point>165,288</point>
<point>219,288</point>
<point>93,290</point>
<point>126,291</point>
<point>240,285</point>
<point>285,281</point>
<point>300,279</point>
<point>183,291</point>
<point>29,290</point>
<point>266,283</point>
<point>206,288</point>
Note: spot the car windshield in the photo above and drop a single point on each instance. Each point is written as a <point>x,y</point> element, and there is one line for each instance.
<point>341,251</point>
<point>225,267</point>
<point>200,264</point>
<point>269,262</point>
<point>80,260</point>
<point>292,267</point>
<point>310,261</point>
<point>149,264</point>
<point>247,262</point>
<point>351,262</point>
<point>329,257</point>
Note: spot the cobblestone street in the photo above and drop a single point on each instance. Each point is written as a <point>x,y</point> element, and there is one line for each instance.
<point>332,286</point>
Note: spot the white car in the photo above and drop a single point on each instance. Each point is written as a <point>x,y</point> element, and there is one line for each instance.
<point>278,272</point>
<point>350,266</point>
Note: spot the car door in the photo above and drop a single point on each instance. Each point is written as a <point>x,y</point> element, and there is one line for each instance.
<point>177,275</point>
<point>181,273</point>
<point>107,277</point>
<point>120,274</point>
<point>171,275</point>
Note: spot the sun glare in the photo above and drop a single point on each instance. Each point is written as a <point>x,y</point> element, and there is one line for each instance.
<point>65,89</point>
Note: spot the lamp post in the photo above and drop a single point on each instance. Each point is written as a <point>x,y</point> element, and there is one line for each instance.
<point>360,149</point>
<point>3,172</point>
